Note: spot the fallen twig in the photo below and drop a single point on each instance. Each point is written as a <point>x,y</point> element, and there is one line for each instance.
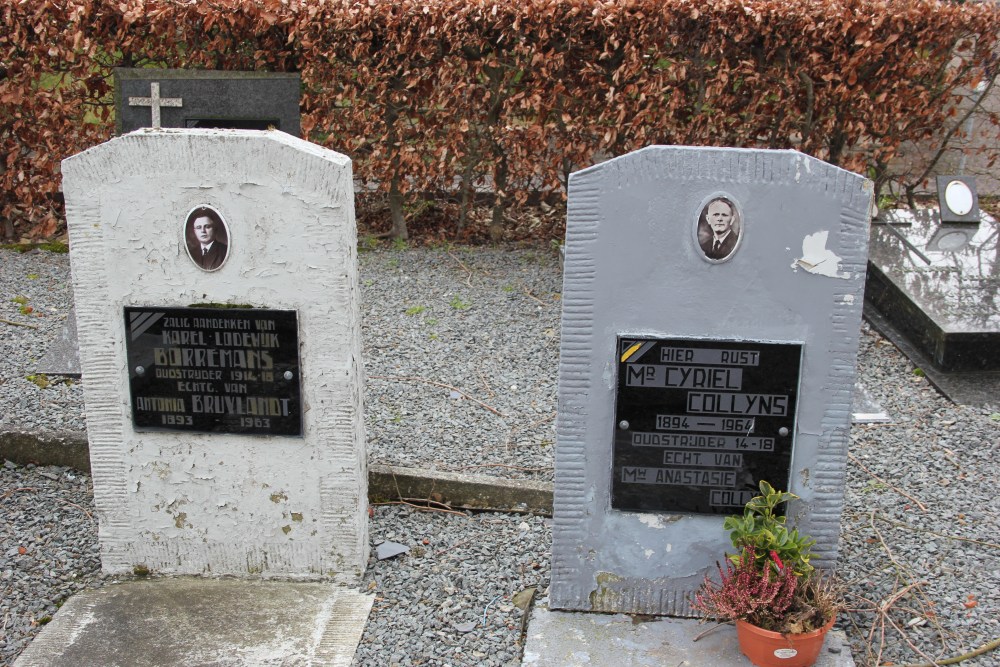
<point>532,296</point>
<point>19,324</point>
<point>900,524</point>
<point>712,629</point>
<point>10,492</point>
<point>486,384</point>
<point>894,488</point>
<point>506,442</point>
<point>468,278</point>
<point>453,546</point>
<point>906,638</point>
<point>413,502</point>
<point>408,378</point>
<point>883,609</point>
<point>89,516</point>
<point>985,648</point>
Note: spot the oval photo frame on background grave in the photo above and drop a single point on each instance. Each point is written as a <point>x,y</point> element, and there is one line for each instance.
<point>713,208</point>
<point>207,238</point>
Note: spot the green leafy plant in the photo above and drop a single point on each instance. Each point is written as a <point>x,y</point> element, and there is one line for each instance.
<point>415,310</point>
<point>400,244</point>
<point>20,299</point>
<point>39,379</point>
<point>769,582</point>
<point>458,304</point>
<point>764,530</point>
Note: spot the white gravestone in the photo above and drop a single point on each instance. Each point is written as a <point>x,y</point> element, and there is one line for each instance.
<point>223,441</point>
<point>711,314</point>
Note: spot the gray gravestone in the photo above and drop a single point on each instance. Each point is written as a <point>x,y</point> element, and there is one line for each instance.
<point>690,369</point>
<point>206,99</point>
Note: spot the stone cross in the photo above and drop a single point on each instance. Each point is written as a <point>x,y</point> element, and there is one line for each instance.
<point>154,101</point>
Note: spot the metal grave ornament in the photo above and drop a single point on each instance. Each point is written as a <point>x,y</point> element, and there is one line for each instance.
<point>700,423</point>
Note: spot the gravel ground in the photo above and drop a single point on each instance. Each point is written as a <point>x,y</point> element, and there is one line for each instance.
<point>461,346</point>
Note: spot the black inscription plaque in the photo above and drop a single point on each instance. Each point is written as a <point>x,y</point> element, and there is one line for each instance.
<point>698,423</point>
<point>214,370</point>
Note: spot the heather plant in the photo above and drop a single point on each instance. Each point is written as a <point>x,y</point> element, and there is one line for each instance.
<point>747,592</point>
<point>769,582</point>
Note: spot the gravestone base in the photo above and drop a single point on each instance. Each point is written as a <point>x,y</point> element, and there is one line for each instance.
<point>568,639</point>
<point>965,388</point>
<point>180,622</point>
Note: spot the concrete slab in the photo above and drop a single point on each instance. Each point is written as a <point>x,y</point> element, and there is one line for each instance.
<point>865,409</point>
<point>63,355</point>
<point>571,639</point>
<point>186,621</point>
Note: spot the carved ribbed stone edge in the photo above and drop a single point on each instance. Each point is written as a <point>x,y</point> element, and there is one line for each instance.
<point>569,504</point>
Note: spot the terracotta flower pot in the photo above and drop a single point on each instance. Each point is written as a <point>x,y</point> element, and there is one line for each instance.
<point>773,649</point>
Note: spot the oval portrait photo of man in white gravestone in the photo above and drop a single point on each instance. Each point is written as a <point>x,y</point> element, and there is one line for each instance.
<point>719,229</point>
<point>207,237</point>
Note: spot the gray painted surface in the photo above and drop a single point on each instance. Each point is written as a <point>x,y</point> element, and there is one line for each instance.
<point>209,95</point>
<point>634,265</point>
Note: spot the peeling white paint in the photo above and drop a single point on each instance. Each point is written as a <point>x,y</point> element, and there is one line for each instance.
<point>652,520</point>
<point>849,298</point>
<point>818,259</point>
<point>649,553</point>
<point>187,503</point>
<point>608,375</point>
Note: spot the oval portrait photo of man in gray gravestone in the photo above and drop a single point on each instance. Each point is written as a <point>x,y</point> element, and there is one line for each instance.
<point>207,237</point>
<point>720,229</point>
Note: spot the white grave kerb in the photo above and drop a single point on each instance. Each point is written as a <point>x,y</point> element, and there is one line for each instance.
<point>181,502</point>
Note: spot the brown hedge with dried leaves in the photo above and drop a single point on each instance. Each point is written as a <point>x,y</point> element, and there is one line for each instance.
<point>439,95</point>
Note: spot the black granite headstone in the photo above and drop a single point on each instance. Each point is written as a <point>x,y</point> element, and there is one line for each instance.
<point>939,285</point>
<point>206,99</point>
